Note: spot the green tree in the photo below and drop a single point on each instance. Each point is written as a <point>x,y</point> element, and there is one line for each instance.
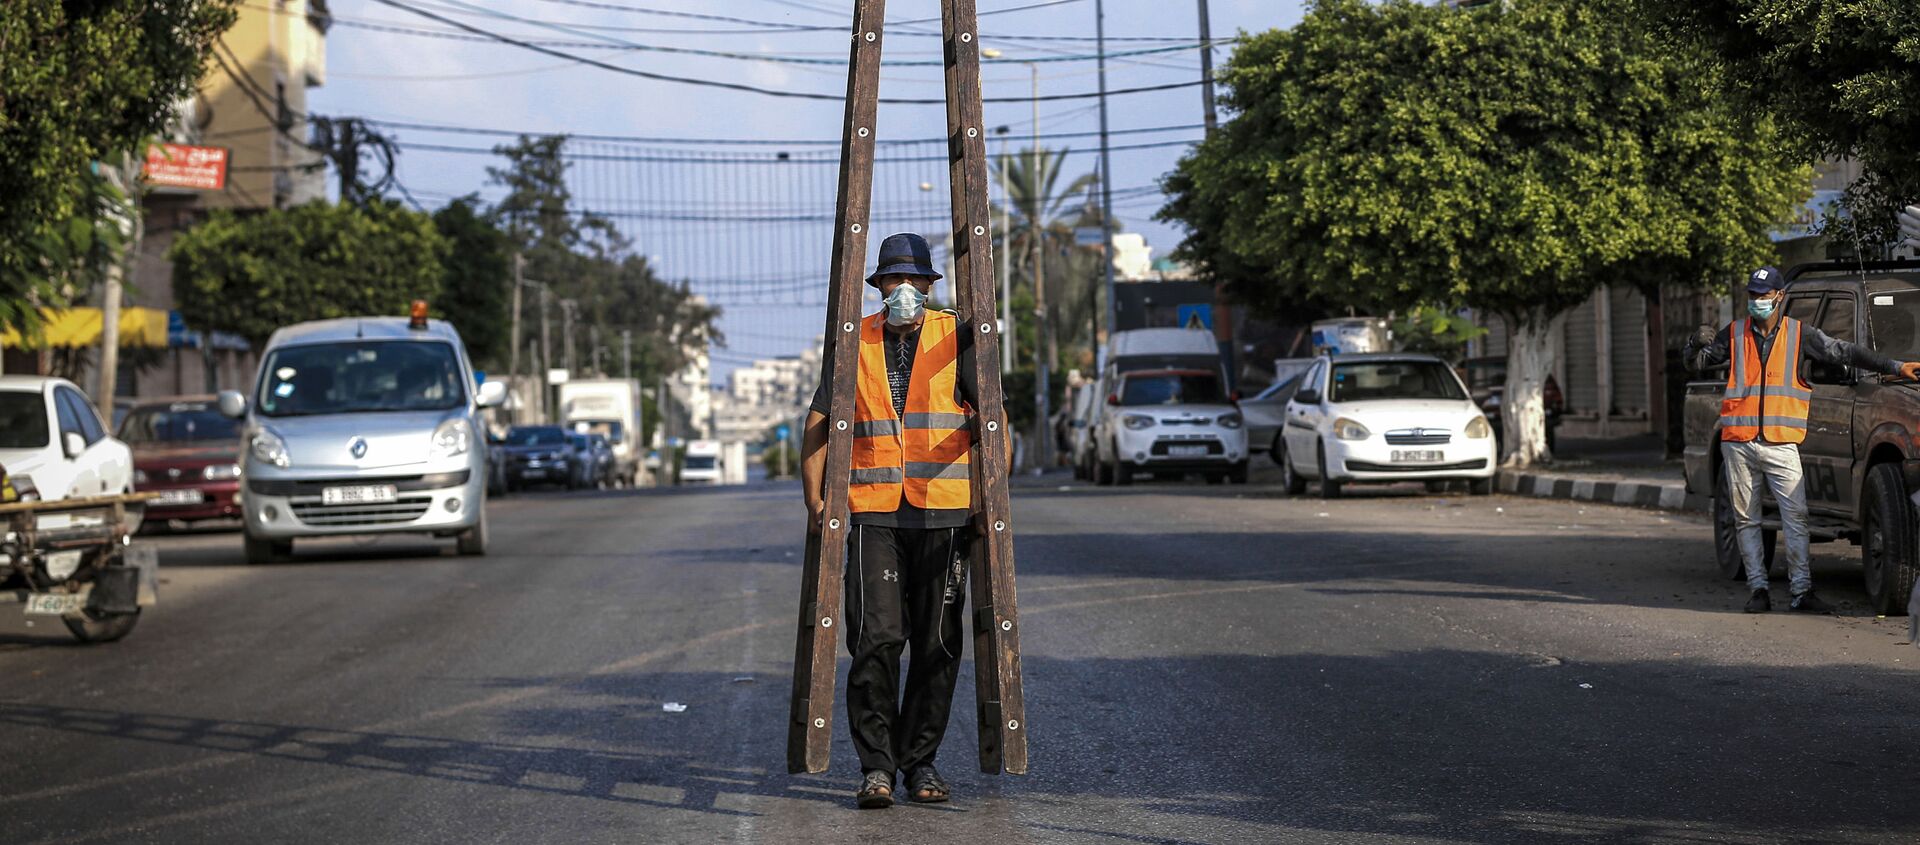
<point>476,297</point>
<point>81,82</point>
<point>1843,74</point>
<point>1513,158</point>
<point>1044,214</point>
<point>585,258</point>
<point>252,274</point>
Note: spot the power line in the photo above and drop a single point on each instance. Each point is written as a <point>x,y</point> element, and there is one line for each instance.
<point>792,142</point>
<point>683,158</point>
<point>751,89</point>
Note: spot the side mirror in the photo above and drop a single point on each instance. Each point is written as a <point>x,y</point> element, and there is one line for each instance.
<point>232,404</point>
<point>73,443</point>
<point>492,394</point>
<point>1307,396</point>
<point>1113,399</point>
<point>1824,373</point>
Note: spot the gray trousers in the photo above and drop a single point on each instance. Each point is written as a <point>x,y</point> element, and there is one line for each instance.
<point>1753,463</point>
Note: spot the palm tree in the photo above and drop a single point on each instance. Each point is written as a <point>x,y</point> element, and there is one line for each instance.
<point>1041,238</point>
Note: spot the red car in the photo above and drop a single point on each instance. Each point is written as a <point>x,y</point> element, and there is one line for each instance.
<point>188,452</point>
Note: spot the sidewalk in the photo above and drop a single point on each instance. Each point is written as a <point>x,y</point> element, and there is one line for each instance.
<point>1621,471</point>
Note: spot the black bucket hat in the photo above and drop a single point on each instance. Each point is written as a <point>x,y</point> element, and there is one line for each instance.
<point>904,253</point>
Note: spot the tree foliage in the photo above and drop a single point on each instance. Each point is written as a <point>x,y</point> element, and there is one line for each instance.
<point>252,274</point>
<point>476,298</point>
<point>81,82</point>
<point>585,258</point>
<point>1843,74</point>
<point>1513,158</point>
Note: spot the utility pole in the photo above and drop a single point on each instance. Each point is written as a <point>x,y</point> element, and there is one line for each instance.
<point>546,350</point>
<point>593,335</point>
<point>1006,257</point>
<point>513,353</point>
<point>1206,68</point>
<point>126,179</point>
<point>1106,168</point>
<point>567,306</point>
<point>626,354</point>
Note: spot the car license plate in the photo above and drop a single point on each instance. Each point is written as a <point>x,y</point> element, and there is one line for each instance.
<point>359,495</point>
<point>1422,456</point>
<point>179,497</point>
<point>1187,451</point>
<point>55,604</point>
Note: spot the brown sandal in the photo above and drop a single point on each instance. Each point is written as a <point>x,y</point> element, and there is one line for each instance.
<point>876,792</point>
<point>925,786</point>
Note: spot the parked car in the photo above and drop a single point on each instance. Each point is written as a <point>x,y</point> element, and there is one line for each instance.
<point>1861,459</point>
<point>50,435</point>
<point>188,452</point>
<point>1168,423</point>
<point>538,454</point>
<point>586,465</point>
<point>1267,410</point>
<point>1486,379</point>
<point>364,425</point>
<point>1086,408</point>
<point>1384,418</point>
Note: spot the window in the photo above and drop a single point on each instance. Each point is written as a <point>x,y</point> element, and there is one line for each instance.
<point>1370,380</point>
<point>23,420</point>
<point>90,427</point>
<point>1802,307</point>
<point>1837,320</point>
<point>180,422</point>
<point>1171,387</point>
<point>63,408</point>
<point>1892,317</point>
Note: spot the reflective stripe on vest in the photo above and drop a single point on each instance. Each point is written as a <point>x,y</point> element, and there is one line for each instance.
<point>1765,400</point>
<point>921,456</point>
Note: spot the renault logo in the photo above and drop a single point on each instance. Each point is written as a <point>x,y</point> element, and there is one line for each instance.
<point>358,446</point>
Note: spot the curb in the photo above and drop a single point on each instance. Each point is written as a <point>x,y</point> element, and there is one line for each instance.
<point>1664,495</point>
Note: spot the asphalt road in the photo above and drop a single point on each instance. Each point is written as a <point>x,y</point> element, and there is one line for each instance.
<point>1203,664</point>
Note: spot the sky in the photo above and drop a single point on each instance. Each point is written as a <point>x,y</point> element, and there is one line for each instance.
<point>749,233</point>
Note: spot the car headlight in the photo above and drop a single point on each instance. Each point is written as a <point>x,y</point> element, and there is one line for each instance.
<point>139,476</point>
<point>267,446</point>
<point>452,438</point>
<point>1347,429</point>
<point>1231,419</point>
<point>1137,421</point>
<point>221,472</point>
<point>1479,429</point>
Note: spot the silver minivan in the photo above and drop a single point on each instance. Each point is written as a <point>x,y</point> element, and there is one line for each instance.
<point>363,426</point>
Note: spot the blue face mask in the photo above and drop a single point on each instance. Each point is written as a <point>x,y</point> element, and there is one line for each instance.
<point>905,305</point>
<point>1761,309</point>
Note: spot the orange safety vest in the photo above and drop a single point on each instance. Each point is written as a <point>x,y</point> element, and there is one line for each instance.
<point>1765,400</point>
<point>925,456</point>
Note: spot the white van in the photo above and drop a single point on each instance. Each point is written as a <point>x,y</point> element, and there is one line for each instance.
<point>1164,408</point>
<point>701,464</point>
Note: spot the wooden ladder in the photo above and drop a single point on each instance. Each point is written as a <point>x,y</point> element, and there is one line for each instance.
<point>996,631</point>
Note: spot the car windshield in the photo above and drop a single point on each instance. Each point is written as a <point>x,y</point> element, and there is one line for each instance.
<point>610,429</point>
<point>1171,388</point>
<point>354,377</point>
<point>23,421</point>
<point>536,437</point>
<point>180,422</point>
<point>1895,318</point>
<point>700,461</point>
<point>1369,380</point>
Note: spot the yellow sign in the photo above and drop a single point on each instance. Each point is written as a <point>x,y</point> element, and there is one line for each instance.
<point>77,327</point>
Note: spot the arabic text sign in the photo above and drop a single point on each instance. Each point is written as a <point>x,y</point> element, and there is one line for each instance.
<point>185,166</point>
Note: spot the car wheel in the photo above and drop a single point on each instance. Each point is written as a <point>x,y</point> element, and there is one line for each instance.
<point>1886,548</point>
<point>473,541</point>
<point>1290,478</point>
<point>1329,488</point>
<point>1278,451</point>
<point>1726,533</point>
<point>92,627</point>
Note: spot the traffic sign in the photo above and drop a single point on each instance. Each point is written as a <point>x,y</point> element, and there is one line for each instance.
<point>1196,316</point>
<point>782,432</point>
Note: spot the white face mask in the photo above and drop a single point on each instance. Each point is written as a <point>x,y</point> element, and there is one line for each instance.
<point>905,305</point>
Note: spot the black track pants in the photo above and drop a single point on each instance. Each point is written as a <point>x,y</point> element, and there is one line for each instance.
<point>906,588</point>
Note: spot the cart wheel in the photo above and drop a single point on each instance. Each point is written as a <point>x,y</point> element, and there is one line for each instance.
<point>91,627</point>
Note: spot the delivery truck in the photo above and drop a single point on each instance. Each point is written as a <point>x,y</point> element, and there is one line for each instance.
<point>610,407</point>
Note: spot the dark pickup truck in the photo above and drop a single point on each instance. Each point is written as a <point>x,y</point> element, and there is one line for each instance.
<point>1861,456</point>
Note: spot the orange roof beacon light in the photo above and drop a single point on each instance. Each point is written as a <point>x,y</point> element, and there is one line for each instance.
<point>419,320</point>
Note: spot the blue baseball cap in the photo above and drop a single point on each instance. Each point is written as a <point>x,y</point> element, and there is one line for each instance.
<point>906,253</point>
<point>1766,280</point>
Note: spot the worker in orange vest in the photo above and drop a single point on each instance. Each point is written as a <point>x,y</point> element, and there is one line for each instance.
<point>1763,419</point>
<point>910,497</point>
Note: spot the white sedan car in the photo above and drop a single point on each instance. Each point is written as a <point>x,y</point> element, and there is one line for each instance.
<point>1384,418</point>
<point>50,434</point>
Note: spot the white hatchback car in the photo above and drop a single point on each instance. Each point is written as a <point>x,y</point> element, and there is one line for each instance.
<point>1169,423</point>
<point>50,434</point>
<point>1385,418</point>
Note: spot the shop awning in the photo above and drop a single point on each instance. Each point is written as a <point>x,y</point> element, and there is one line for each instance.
<point>78,327</point>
